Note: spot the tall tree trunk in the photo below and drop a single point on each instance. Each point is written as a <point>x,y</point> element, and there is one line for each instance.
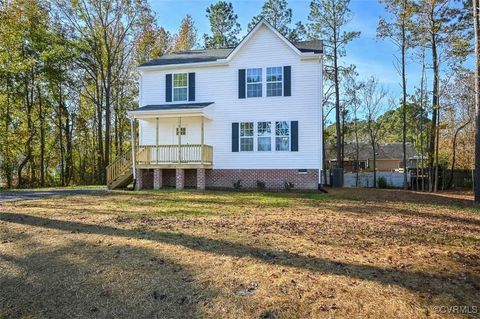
<point>437,140</point>
<point>357,151</point>
<point>68,148</point>
<point>337,104</point>
<point>60,135</point>
<point>454,151</point>
<point>476,14</point>
<point>374,148</point>
<point>42,138</point>
<point>404,102</point>
<point>432,146</point>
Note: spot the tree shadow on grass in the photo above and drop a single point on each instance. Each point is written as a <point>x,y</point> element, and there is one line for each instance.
<point>462,291</point>
<point>374,209</point>
<point>82,280</point>
<point>401,196</point>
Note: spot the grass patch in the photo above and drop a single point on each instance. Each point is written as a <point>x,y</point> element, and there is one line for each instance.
<point>170,254</point>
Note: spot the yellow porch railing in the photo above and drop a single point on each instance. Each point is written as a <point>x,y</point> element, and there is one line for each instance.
<point>174,154</point>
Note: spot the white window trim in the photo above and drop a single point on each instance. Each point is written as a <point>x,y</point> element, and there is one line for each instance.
<point>180,87</point>
<point>273,136</point>
<point>258,136</point>
<point>266,81</point>
<point>261,83</point>
<point>252,137</point>
<point>289,136</point>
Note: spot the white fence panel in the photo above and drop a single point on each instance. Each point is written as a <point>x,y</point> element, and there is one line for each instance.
<point>365,179</point>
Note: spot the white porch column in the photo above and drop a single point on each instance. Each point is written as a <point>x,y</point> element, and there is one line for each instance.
<point>132,142</point>
<point>202,142</point>
<point>179,134</point>
<point>156,140</point>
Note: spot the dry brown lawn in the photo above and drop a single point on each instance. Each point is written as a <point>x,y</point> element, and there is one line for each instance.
<point>168,254</point>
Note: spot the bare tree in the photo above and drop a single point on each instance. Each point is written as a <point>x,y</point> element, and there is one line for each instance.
<point>373,99</point>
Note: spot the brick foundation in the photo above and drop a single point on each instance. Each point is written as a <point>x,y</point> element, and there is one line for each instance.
<point>273,178</point>
<point>190,178</point>
<point>179,178</point>
<point>144,179</point>
<point>225,178</point>
<point>157,178</point>
<point>139,179</point>
<point>201,182</point>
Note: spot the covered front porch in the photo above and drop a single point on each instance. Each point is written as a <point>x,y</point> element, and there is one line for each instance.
<point>167,137</point>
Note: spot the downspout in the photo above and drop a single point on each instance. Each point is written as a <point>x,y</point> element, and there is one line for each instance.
<point>132,141</point>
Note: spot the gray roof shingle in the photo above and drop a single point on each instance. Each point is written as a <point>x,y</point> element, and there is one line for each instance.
<point>210,55</point>
<point>179,106</point>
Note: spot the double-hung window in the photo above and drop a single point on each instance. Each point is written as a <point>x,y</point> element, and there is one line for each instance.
<point>274,81</point>
<point>246,137</point>
<point>254,82</point>
<point>264,136</point>
<point>282,136</point>
<point>180,87</point>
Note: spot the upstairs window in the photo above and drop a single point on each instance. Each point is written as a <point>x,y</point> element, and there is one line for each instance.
<point>275,81</point>
<point>180,87</point>
<point>254,82</point>
<point>264,136</point>
<point>282,136</point>
<point>246,137</point>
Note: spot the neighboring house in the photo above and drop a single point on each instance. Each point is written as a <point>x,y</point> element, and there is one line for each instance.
<point>209,118</point>
<point>389,157</point>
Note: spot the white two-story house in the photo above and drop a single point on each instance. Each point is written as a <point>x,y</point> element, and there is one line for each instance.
<point>249,116</point>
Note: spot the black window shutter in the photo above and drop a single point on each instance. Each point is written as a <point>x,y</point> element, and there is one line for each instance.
<point>191,86</point>
<point>241,83</point>
<point>235,137</point>
<point>168,88</point>
<point>287,80</point>
<point>294,142</point>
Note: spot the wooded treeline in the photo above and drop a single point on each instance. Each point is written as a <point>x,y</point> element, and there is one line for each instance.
<point>68,76</point>
<point>437,116</point>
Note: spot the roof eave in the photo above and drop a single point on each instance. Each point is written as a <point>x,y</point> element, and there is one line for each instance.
<point>219,62</point>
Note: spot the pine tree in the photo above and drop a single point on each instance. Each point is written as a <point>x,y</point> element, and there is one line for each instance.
<point>277,13</point>
<point>328,19</point>
<point>187,36</point>
<point>399,32</point>
<point>223,25</point>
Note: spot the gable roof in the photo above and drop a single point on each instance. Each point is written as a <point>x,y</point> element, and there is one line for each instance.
<point>192,56</point>
<point>213,55</point>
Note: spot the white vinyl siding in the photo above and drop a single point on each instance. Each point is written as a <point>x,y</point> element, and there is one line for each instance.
<point>220,85</point>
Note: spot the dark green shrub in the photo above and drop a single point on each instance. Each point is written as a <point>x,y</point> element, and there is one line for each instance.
<point>382,182</point>
<point>237,185</point>
<point>260,185</point>
<point>288,185</point>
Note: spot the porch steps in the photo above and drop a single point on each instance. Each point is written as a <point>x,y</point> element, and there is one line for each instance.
<point>119,173</point>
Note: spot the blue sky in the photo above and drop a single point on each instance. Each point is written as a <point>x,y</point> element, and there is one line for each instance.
<point>372,56</point>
